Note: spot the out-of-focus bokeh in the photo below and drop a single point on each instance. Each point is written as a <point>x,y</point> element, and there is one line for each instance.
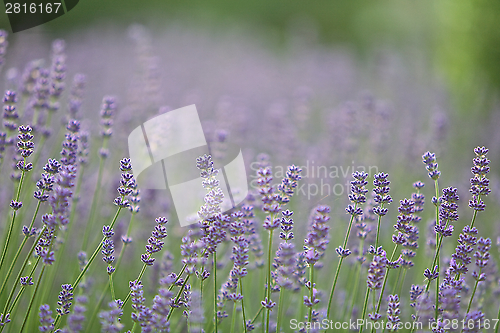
<point>461,39</point>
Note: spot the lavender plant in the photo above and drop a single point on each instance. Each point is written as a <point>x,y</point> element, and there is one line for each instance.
<point>218,275</point>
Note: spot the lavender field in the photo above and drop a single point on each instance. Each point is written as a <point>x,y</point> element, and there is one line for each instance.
<point>373,197</point>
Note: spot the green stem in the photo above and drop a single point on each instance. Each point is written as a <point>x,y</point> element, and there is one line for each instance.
<point>339,264</point>
<point>498,321</point>
<point>33,298</point>
<point>113,296</point>
<point>233,319</point>
<point>86,267</point>
<point>270,245</point>
<point>243,307</point>
<point>473,293</point>
<point>311,291</point>
<point>364,307</point>
<point>138,279</point>
<point>12,221</point>
<point>378,227</point>
<point>95,200</point>
<point>257,315</point>
<point>215,291</point>
<point>385,278</point>
<point>13,263</point>
<point>26,260</point>
<point>179,293</point>
<point>280,310</point>
<point>436,308</point>
<point>103,294</point>
<point>402,281</point>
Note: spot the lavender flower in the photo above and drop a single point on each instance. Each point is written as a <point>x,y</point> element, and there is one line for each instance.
<point>10,115</point>
<point>447,211</point>
<point>382,197</point>
<point>76,95</point>
<point>317,238</point>
<point>376,271</point>
<point>110,320</point>
<point>407,233</point>
<point>429,160</point>
<point>25,146</point>
<point>26,281</point>
<point>108,248</point>
<point>141,314</point>
<point>57,73</point>
<point>3,46</point>
<point>46,320</point>
<point>77,318</point>
<point>65,299</point>
<point>393,311</point>
<point>474,322</point>
<point>127,184</point>
<point>358,193</point>
<point>479,183</point>
<point>214,195</point>
<point>419,200</point>
<point>462,256</point>
<point>482,256</point>
<point>108,109</point>
<point>161,305</point>
<point>155,243</point>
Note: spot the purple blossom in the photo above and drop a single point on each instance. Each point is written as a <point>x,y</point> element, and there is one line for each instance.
<point>479,183</point>
<point>46,320</point>
<point>155,243</point>
<point>10,115</point>
<point>431,165</point>
<point>108,109</point>
<point>65,299</point>
<point>317,238</point>
<point>376,272</point>
<point>110,320</point>
<point>393,310</point>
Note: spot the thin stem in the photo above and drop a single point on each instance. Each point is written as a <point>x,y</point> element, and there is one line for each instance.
<point>339,264</point>
<point>13,263</point>
<point>473,293</point>
<point>33,298</point>
<point>103,294</point>
<point>355,291</point>
<point>402,281</point>
<point>215,291</point>
<point>257,315</point>
<point>12,221</point>
<point>138,279</point>
<point>86,267</point>
<point>178,296</point>
<point>233,319</point>
<point>243,306</point>
<point>95,200</point>
<point>378,227</point>
<point>364,307</point>
<point>498,321</point>
<point>280,310</point>
<point>311,292</point>
<point>269,277</point>
<point>385,278</point>
<point>112,287</point>
<point>26,260</point>
<point>436,311</point>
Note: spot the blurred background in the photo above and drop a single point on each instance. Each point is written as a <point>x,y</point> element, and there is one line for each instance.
<point>338,84</point>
